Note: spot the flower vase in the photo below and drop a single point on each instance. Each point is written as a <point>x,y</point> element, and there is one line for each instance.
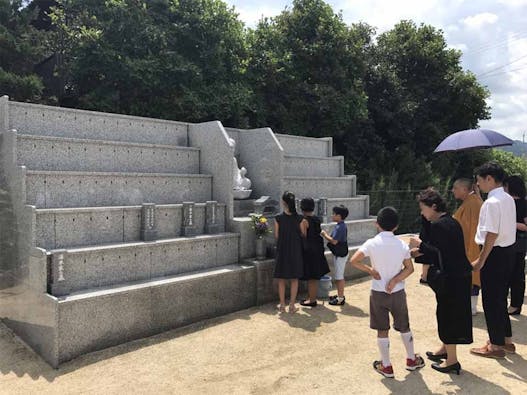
<point>260,248</point>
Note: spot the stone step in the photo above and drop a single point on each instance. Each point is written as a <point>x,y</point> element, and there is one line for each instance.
<point>296,165</point>
<point>359,230</point>
<point>306,146</point>
<point>68,154</point>
<point>93,320</point>
<point>37,119</point>
<point>358,206</point>
<point>316,187</point>
<point>85,226</point>
<point>54,189</point>
<point>76,269</point>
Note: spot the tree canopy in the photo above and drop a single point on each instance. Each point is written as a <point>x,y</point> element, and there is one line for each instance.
<point>387,100</point>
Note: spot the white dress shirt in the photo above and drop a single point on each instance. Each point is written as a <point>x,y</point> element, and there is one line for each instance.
<point>497,215</point>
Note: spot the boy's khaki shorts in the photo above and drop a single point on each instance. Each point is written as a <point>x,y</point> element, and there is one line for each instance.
<point>382,304</point>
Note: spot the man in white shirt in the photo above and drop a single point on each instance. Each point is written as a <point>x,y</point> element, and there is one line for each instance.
<point>496,233</point>
<point>391,264</point>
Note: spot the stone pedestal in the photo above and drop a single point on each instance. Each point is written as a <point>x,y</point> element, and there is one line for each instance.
<point>148,224</point>
<point>189,228</point>
<point>211,218</point>
<point>243,208</point>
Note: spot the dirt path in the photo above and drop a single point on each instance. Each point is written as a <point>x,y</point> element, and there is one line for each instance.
<point>326,350</point>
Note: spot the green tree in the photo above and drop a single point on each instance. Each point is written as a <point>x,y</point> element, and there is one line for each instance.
<point>513,165</point>
<point>418,94</point>
<point>306,67</point>
<point>21,47</point>
<point>165,58</point>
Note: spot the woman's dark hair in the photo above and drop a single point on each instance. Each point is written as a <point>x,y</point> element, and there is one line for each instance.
<point>341,210</point>
<point>515,186</point>
<point>429,197</point>
<point>387,218</point>
<point>307,205</point>
<point>491,169</point>
<point>289,199</point>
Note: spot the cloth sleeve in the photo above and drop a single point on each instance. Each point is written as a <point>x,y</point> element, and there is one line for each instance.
<point>490,220</point>
<point>365,248</point>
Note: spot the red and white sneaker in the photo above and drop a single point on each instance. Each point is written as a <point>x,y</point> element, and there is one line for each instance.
<point>386,371</point>
<point>413,364</point>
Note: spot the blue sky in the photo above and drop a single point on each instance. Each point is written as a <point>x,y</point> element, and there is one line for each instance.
<point>491,34</point>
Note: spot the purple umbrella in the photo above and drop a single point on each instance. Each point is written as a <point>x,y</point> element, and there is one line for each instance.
<point>473,138</point>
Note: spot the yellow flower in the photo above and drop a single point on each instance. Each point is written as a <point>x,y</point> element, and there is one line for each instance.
<point>263,220</point>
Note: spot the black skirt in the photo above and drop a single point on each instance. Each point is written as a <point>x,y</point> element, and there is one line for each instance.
<point>454,315</point>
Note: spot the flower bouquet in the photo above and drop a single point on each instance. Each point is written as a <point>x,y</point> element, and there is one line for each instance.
<point>260,225</point>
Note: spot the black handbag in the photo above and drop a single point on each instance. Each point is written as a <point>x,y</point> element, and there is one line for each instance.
<point>340,249</point>
<point>521,242</point>
<point>436,277</point>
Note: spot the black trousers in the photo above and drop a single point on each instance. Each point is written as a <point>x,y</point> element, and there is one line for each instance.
<point>495,277</point>
<point>517,281</point>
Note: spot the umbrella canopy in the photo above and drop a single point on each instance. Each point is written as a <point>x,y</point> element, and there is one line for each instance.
<point>473,138</point>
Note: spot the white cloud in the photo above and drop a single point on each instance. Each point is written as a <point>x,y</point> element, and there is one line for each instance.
<point>477,21</point>
<point>513,3</point>
<point>490,33</point>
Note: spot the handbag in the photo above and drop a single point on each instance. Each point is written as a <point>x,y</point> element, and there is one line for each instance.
<point>521,242</point>
<point>340,249</point>
<point>436,277</point>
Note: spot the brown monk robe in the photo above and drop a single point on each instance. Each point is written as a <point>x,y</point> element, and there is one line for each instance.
<point>468,216</point>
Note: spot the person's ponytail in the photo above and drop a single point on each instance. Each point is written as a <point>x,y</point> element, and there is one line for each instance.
<point>289,199</point>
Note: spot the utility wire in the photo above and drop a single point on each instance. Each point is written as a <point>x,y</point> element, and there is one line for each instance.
<point>502,66</point>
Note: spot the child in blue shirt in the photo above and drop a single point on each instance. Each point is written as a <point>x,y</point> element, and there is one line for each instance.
<point>338,235</point>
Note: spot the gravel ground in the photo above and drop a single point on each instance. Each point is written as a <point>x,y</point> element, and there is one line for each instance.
<point>325,350</point>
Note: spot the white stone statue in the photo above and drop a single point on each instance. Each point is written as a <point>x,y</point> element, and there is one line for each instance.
<point>241,185</point>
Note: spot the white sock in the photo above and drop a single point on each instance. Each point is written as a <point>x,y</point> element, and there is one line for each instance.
<point>474,304</point>
<point>408,341</point>
<point>384,348</point>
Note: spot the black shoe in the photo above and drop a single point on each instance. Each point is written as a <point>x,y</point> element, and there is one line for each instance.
<point>333,297</point>
<point>435,357</point>
<point>335,301</point>
<point>310,304</point>
<point>456,367</point>
<point>516,312</point>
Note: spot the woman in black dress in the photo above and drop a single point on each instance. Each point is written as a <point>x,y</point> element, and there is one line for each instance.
<point>315,263</point>
<point>515,187</point>
<point>445,248</point>
<point>289,261</point>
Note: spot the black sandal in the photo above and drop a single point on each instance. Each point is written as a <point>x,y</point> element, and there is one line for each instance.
<point>310,304</point>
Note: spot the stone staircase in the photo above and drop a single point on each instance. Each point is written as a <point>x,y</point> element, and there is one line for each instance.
<point>91,185</point>
<point>306,167</point>
<point>118,227</point>
<point>310,170</point>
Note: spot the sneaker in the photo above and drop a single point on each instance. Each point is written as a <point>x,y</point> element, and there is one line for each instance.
<point>386,371</point>
<point>336,302</point>
<point>333,297</point>
<point>413,364</point>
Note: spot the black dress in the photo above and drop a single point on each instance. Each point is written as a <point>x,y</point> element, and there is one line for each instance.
<point>454,315</point>
<point>424,235</point>
<point>315,263</point>
<point>289,260</point>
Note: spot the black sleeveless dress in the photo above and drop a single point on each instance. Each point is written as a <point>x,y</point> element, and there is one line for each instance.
<point>315,263</point>
<point>289,260</point>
